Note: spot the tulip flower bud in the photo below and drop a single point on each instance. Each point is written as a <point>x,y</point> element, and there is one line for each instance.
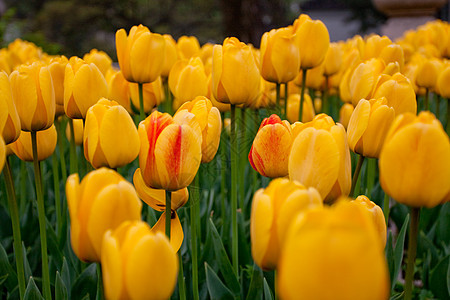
<point>170,152</point>
<point>393,53</point>
<point>210,121</point>
<point>273,210</point>
<point>443,87</point>
<point>110,137</point>
<point>377,215</point>
<point>270,150</point>
<point>138,263</point>
<point>293,108</point>
<point>373,46</point>
<point>320,158</point>
<point>34,96</point>
<point>235,75</point>
<point>345,113</point>
<point>188,47</point>
<point>100,59</point>
<point>333,60</point>
<point>369,125</point>
<point>84,85</point>
<point>140,54</point>
<point>338,244</point>
<point>188,79</point>
<point>427,73</point>
<point>153,94</point>
<point>46,144</point>
<point>314,80</point>
<point>118,89</point>
<point>57,67</point>
<point>415,161</point>
<point>364,78</point>
<point>9,119</point>
<point>102,201</point>
<point>223,107</point>
<point>206,53</point>
<point>280,55</point>
<point>170,55</point>
<point>79,131</point>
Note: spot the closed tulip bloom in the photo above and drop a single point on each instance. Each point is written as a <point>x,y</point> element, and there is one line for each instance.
<point>210,121</point>
<point>443,86</point>
<point>188,46</point>
<point>170,152</point>
<point>100,59</point>
<point>206,52</point>
<point>138,263</point>
<point>333,59</point>
<point>415,161</point>
<point>79,130</point>
<point>398,91</point>
<point>140,54</point>
<point>308,112</point>
<point>188,79</point>
<point>223,107</point>
<point>269,154</point>
<point>338,245</point>
<point>57,67</point>
<point>34,96</point>
<point>170,55</point>
<point>320,158</point>
<point>273,210</point>
<point>377,215</point>
<point>280,55</point>
<point>427,73</point>
<point>373,46</point>
<point>153,94</point>
<point>118,89</point>
<point>110,137</point>
<point>9,119</point>
<point>369,125</point>
<point>102,201</point>
<point>46,144</point>
<point>345,113</point>
<point>364,78</point>
<point>84,85</point>
<point>235,75</point>
<point>393,53</point>
<point>313,40</point>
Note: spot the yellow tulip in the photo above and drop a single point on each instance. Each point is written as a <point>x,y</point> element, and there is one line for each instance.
<point>210,121</point>
<point>57,67</point>
<point>235,75</point>
<point>339,246</point>
<point>23,52</point>
<point>345,113</point>
<point>34,96</point>
<point>315,78</point>
<point>393,53</point>
<point>188,79</point>
<point>100,59</point>
<point>427,73</point>
<point>369,125</point>
<point>280,55</point>
<point>333,59</point>
<point>176,231</point>
<point>377,215</point>
<point>153,94</point>
<point>415,161</point>
<point>320,158</point>
<point>222,107</point>
<point>110,137</point>
<point>138,263</point>
<point>443,86</point>
<point>293,107</point>
<point>170,55</point>
<point>270,150</point>
<point>46,144</point>
<point>188,46</point>
<point>206,53</point>
<point>373,46</point>
<point>140,54</point>
<point>273,210</point>
<point>364,78</point>
<point>118,89</point>
<point>84,85</point>
<point>9,118</point>
<point>170,153</point>
<point>79,130</point>
<point>102,201</point>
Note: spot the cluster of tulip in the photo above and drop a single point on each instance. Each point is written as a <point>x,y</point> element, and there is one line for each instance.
<point>304,224</point>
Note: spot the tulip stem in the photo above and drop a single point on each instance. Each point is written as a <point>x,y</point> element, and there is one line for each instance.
<point>302,95</point>
<point>168,213</point>
<point>23,185</point>
<point>60,130</point>
<point>14,211</point>
<point>194,217</point>
<point>243,160</point>
<point>141,102</point>
<point>41,217</point>
<point>233,150</point>
<point>181,286</point>
<point>356,174</point>
<point>57,191</point>
<point>99,282</point>
<point>371,165</point>
<point>426,104</point>
<point>278,88</point>
<point>285,100</point>
<point>255,174</point>
<point>73,150</point>
<point>223,170</point>
<point>412,248</point>
<point>448,116</point>
<point>438,107</point>
<point>326,107</point>
<point>386,208</point>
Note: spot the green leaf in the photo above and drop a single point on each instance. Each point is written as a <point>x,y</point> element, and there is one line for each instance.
<point>224,263</point>
<point>65,274</point>
<point>26,264</point>
<point>3,279</point>
<point>397,296</point>
<point>256,284</point>
<point>86,283</point>
<point>32,292</point>
<point>267,292</point>
<point>6,269</point>
<point>53,246</point>
<point>448,279</point>
<point>439,277</point>
<point>60,288</point>
<point>398,251</point>
<point>443,224</point>
<point>216,288</point>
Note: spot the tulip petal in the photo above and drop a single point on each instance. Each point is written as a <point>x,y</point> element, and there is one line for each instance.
<point>111,267</point>
<point>358,123</point>
<point>144,65</point>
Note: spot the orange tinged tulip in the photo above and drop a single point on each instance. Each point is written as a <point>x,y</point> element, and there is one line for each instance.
<point>46,144</point>
<point>9,118</point>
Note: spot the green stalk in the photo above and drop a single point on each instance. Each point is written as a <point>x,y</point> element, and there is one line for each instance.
<point>168,213</point>
<point>233,150</point>
<point>243,160</point>
<point>141,102</point>
<point>371,166</point>
<point>223,170</point>
<point>326,107</point>
<point>278,87</point>
<point>302,95</point>
<point>448,116</point>
<point>41,217</point>
<point>426,104</point>
<point>438,106</point>
<point>14,211</point>
<point>57,191</point>
<point>412,249</point>
<point>181,286</point>
<point>99,283</point>
<point>23,185</point>
<point>60,130</point>
<point>194,217</point>
<point>285,100</point>
<point>386,208</point>
<point>255,174</point>
<point>356,174</point>
<point>73,150</point>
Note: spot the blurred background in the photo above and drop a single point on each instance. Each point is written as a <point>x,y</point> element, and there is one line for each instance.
<point>73,27</point>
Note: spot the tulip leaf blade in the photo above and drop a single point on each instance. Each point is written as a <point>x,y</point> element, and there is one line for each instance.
<point>7,269</point>
<point>267,291</point>
<point>53,245</point>
<point>85,283</point>
<point>32,292</point>
<point>216,288</point>
<point>60,288</point>
<point>26,263</point>
<point>224,263</point>
<point>439,277</point>
<point>398,253</point>
<point>256,284</point>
